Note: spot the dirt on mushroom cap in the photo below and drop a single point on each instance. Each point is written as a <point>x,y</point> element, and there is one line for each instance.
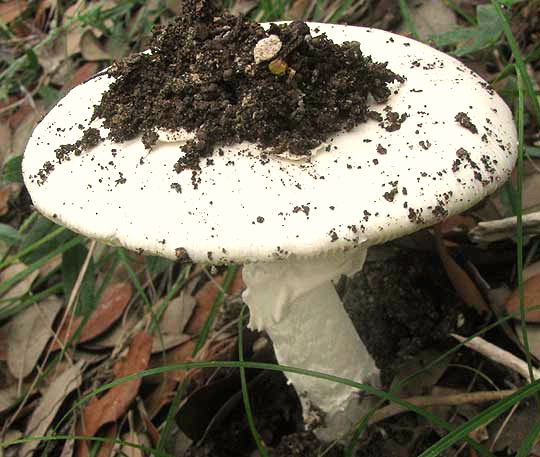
<point>201,76</point>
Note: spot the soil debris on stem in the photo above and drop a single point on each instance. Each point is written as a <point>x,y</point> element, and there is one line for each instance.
<point>224,79</point>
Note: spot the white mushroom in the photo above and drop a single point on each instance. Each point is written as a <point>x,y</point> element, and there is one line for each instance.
<point>297,226</point>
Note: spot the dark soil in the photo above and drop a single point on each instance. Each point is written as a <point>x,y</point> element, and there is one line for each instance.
<point>202,76</point>
<point>400,306</point>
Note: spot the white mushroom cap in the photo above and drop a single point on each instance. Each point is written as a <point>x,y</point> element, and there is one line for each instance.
<point>364,187</point>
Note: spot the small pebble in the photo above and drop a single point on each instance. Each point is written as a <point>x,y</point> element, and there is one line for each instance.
<point>267,48</point>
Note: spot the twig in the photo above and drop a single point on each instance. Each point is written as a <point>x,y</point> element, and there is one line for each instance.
<point>443,400</point>
<point>499,355</point>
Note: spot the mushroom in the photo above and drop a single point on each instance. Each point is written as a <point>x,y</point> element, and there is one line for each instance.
<point>443,142</point>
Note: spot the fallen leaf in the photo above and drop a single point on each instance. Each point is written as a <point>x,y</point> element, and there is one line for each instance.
<point>531,193</point>
<point>91,47</point>
<point>177,314</point>
<point>23,123</point>
<point>53,397</point>
<point>51,54</point>
<point>116,400</point>
<point>11,10</point>
<point>427,379</point>
<point>5,141</point>
<point>463,284</point>
<point>531,270</point>
<point>106,448</point>
<point>205,299</point>
<point>457,222</point>
<point>134,438</point>
<point>8,397</point>
<point>22,286</point>
<point>533,338</point>
<point>6,193</point>
<point>28,333</point>
<point>3,342</point>
<point>114,300</point>
<point>430,18</point>
<point>531,290</point>
<point>83,73</point>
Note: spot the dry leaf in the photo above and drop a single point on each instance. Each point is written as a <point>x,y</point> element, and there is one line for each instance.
<point>430,18</point>
<point>531,193</point>
<point>91,47</point>
<point>531,290</point>
<point>51,55</point>
<point>82,74</point>
<point>28,333</point>
<point>7,193</point>
<point>135,438</point>
<point>11,10</point>
<point>177,314</point>
<point>111,306</point>
<point>531,270</point>
<point>23,123</point>
<point>3,342</point>
<point>5,141</point>
<point>116,401</point>
<point>206,297</point>
<point>8,397</point>
<point>463,284</point>
<point>23,285</point>
<point>48,406</point>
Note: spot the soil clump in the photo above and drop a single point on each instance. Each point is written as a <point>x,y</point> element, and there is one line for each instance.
<point>203,75</point>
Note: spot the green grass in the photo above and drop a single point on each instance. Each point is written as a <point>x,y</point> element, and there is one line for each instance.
<point>127,24</point>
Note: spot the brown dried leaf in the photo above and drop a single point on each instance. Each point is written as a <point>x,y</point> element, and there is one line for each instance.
<point>111,306</point>
<point>4,342</point>
<point>28,333</point>
<point>463,284</point>
<point>91,47</point>
<point>531,193</point>
<point>50,402</point>
<point>115,402</point>
<point>23,123</point>
<point>11,10</point>
<point>83,73</point>
<point>8,397</point>
<point>51,55</point>
<point>177,314</point>
<point>531,270</point>
<point>531,290</point>
<point>23,285</point>
<point>206,297</point>
<point>5,140</point>
<point>533,338</point>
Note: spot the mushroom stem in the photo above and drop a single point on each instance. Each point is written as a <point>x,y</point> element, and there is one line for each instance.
<point>295,302</point>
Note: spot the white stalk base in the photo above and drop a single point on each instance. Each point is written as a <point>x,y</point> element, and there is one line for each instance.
<point>296,303</point>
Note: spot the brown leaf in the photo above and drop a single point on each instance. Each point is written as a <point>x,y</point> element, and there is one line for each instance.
<point>177,314</point>
<point>111,306</point>
<point>463,284</point>
<point>8,397</point>
<point>91,47</point>
<point>23,285</point>
<point>23,122</point>
<point>4,342</point>
<point>116,401</point>
<point>531,290</point>
<point>11,10</point>
<point>81,75</point>
<point>206,297</point>
<point>28,333</point>
<point>5,140</point>
<point>53,397</point>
